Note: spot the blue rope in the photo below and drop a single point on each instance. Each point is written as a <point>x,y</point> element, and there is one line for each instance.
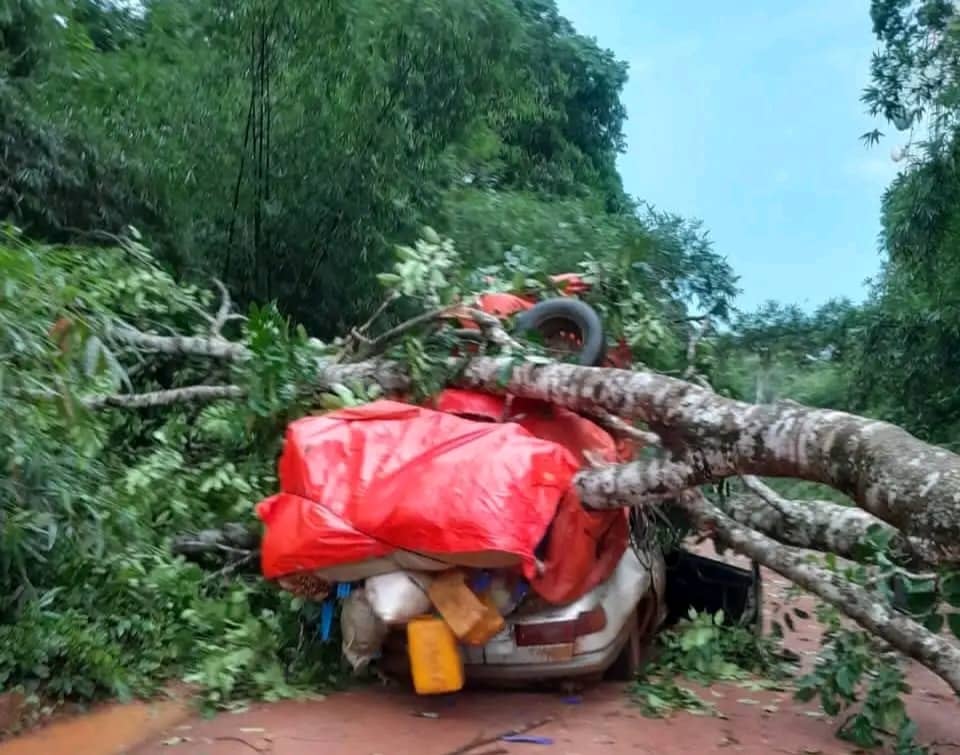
<point>329,607</point>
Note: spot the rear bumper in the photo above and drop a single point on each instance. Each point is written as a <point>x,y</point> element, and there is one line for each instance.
<point>593,663</point>
<point>586,664</point>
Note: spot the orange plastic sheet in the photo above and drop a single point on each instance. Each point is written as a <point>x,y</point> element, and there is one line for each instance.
<point>362,482</point>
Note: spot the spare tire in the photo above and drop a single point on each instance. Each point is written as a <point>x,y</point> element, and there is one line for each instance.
<point>567,318</point>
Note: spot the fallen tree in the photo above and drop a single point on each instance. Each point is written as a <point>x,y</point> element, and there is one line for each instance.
<point>907,492</point>
<point>900,484</point>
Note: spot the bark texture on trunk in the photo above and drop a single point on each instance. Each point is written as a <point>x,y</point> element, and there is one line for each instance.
<point>870,611</point>
<point>211,346</point>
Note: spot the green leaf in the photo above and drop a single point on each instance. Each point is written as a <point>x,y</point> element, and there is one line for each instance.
<point>388,280</point>
<point>344,394</point>
<point>934,622</point>
<point>805,693</point>
<point>846,680</point>
<point>892,715</point>
<point>504,374</point>
<point>879,537</point>
<point>829,703</point>
<point>860,731</point>
<point>920,603</point>
<point>953,621</point>
<point>92,353</point>
<point>922,586</point>
<point>330,402</point>
<point>950,589</point>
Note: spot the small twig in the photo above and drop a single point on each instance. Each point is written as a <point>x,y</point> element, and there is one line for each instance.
<point>380,343</point>
<point>391,297</point>
<point>233,565</point>
<point>224,312</point>
<point>697,335</point>
<point>766,494</point>
<point>359,337</point>
<point>481,740</point>
<point>243,741</point>
<point>491,328</point>
<point>595,461</point>
<point>231,549</point>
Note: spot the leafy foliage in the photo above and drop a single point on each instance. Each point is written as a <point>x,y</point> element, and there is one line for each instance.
<point>53,184</point>
<point>852,674</point>
<point>302,141</point>
<point>909,342</point>
<point>705,650</point>
<point>92,601</point>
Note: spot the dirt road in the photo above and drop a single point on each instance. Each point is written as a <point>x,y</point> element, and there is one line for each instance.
<point>372,721</point>
<point>393,721</point>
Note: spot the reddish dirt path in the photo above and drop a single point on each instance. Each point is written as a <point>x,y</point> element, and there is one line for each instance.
<point>385,721</point>
<point>373,721</point>
<point>389,721</point>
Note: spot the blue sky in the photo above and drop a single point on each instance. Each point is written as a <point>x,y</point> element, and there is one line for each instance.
<point>747,115</point>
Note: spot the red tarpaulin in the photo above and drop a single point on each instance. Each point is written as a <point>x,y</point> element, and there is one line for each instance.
<point>361,482</point>
<point>584,547</point>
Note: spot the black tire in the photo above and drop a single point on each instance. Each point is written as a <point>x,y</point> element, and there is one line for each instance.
<point>636,652</point>
<point>628,664</point>
<point>567,316</point>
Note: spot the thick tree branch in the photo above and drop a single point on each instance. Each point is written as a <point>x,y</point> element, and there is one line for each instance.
<point>635,484</point>
<point>212,346</point>
<point>190,394</point>
<point>492,329</point>
<point>907,636</point>
<point>821,525</point>
<point>913,486</point>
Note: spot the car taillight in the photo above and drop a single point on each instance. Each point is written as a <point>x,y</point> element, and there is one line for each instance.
<point>590,622</point>
<point>560,632</point>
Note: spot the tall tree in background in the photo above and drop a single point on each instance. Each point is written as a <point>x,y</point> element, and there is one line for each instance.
<point>912,339</point>
<point>286,147</point>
